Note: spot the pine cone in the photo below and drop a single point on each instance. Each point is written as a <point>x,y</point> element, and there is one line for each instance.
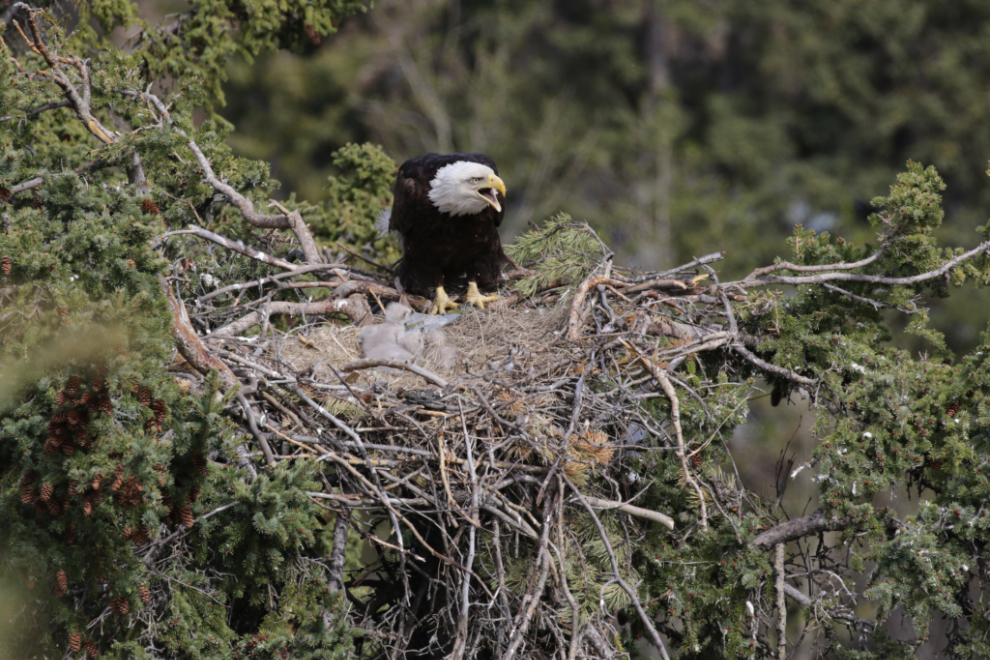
<point>61,398</point>
<point>952,409</point>
<point>95,484</point>
<point>72,386</point>
<point>57,508</point>
<point>37,199</point>
<point>128,533</point>
<point>101,379</point>
<point>118,477</point>
<point>6,262</point>
<point>46,492</point>
<point>696,460</point>
<point>97,497</point>
<point>70,536</point>
<point>119,605</point>
<point>194,494</point>
<point>87,507</point>
<point>51,446</point>
<point>68,449</point>
<point>160,410</point>
<point>140,537</point>
<point>4,194</point>
<point>73,488</point>
<point>199,462</point>
<point>187,516</point>
<point>27,495</point>
<point>149,206</point>
<point>74,417</point>
<point>106,405</point>
<point>91,649</point>
<point>144,593</point>
<point>61,583</point>
<point>75,642</point>
<point>29,477</point>
<point>144,396</point>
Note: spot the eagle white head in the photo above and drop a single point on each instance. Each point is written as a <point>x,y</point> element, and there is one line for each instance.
<point>466,188</point>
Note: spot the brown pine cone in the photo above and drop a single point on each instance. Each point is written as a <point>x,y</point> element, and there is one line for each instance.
<point>61,398</point>
<point>95,484</point>
<point>4,194</point>
<point>97,497</point>
<point>952,409</point>
<point>61,583</point>
<point>106,405</point>
<point>160,410</point>
<point>74,417</point>
<point>6,262</point>
<point>101,379</point>
<point>87,507</point>
<point>68,449</point>
<point>128,532</point>
<point>187,516</point>
<point>27,495</point>
<point>72,386</point>
<point>73,488</point>
<point>51,446</point>
<point>75,642</point>
<point>91,649</point>
<point>118,477</point>
<point>144,593</point>
<point>194,494</point>
<point>57,508</point>
<point>696,460</point>
<point>199,462</point>
<point>119,605</point>
<point>144,396</point>
<point>149,206</point>
<point>140,537</point>
<point>46,492</point>
<point>29,477</point>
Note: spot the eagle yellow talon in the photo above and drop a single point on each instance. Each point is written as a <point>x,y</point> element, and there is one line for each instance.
<point>474,296</point>
<point>442,302</point>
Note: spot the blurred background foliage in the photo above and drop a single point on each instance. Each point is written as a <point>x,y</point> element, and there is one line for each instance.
<point>675,127</point>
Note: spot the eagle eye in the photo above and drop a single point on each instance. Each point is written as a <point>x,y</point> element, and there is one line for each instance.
<point>476,179</point>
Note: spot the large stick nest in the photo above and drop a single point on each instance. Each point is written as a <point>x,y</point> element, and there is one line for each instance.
<point>509,468</point>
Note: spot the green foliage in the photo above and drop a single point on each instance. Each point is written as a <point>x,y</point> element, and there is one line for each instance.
<point>561,252</point>
<point>123,496</point>
<point>357,195</point>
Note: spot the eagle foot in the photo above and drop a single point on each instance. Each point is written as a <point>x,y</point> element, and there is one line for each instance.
<point>442,302</point>
<point>474,296</point>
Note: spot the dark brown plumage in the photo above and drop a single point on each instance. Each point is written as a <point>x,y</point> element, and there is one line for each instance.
<point>442,249</point>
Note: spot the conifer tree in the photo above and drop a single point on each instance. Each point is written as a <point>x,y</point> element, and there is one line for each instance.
<point>574,496</point>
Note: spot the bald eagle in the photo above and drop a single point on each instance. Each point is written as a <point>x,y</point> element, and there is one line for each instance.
<point>447,210</point>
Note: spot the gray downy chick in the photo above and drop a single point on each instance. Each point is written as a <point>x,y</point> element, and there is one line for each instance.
<point>384,341</point>
<point>437,352</point>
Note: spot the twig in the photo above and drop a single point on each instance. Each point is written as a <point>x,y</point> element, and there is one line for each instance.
<point>369,363</point>
<point>778,567</point>
<point>239,247</point>
<point>639,512</point>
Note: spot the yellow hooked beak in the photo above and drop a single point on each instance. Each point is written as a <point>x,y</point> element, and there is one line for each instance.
<point>487,191</point>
